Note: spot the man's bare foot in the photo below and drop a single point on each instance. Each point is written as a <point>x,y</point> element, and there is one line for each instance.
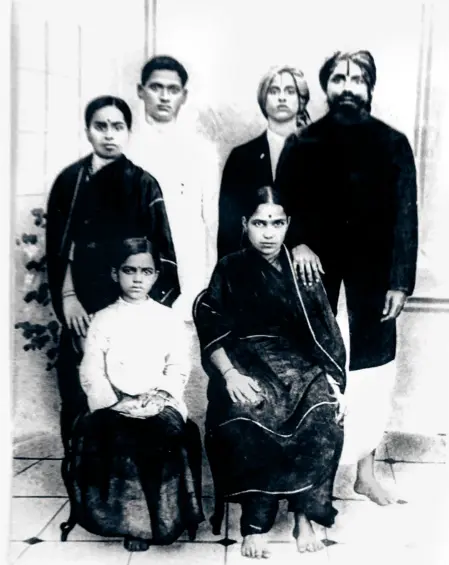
<point>306,539</point>
<point>374,491</point>
<point>255,546</point>
<point>135,544</point>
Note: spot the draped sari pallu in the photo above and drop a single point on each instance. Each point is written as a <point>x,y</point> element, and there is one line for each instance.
<point>283,335</point>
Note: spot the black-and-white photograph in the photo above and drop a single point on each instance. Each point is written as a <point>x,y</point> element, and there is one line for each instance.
<point>229,306</point>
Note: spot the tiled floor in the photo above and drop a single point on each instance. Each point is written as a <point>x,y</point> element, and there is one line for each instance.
<point>409,532</point>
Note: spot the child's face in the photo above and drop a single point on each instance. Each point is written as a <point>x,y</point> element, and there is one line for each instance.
<point>136,276</point>
<point>108,132</point>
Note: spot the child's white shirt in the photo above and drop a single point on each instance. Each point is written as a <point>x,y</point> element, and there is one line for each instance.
<point>135,347</point>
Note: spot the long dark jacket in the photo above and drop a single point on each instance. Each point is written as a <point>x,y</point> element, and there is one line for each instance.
<point>351,192</point>
<point>121,200</point>
<point>247,168</point>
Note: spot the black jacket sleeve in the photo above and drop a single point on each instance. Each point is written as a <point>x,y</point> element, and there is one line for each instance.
<point>405,242</point>
<point>230,213</point>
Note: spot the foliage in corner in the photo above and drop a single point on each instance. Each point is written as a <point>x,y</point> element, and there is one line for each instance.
<point>38,336</point>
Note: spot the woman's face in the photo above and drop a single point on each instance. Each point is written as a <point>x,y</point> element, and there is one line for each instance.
<point>108,132</point>
<point>266,229</point>
<point>282,103</point>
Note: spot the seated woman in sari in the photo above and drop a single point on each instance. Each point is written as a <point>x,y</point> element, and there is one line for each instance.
<point>136,464</point>
<point>275,359</point>
<point>100,198</point>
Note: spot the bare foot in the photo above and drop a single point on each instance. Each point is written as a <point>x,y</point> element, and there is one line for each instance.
<point>306,539</point>
<point>374,491</point>
<point>255,546</point>
<point>135,544</point>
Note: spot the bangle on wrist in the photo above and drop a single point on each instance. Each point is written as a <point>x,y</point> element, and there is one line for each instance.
<point>68,293</point>
<point>227,371</point>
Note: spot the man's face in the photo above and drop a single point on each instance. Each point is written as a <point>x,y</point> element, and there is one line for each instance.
<point>282,102</point>
<point>162,95</point>
<point>347,90</point>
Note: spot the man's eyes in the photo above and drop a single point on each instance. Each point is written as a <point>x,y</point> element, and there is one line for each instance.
<point>159,88</point>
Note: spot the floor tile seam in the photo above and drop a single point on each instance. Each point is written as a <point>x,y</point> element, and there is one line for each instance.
<point>51,520</point>
<point>394,461</point>
<point>36,462</point>
<point>24,550</point>
<point>42,496</point>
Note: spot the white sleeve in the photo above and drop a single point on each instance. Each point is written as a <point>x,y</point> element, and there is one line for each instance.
<point>177,361</point>
<point>93,377</point>
<point>210,187</point>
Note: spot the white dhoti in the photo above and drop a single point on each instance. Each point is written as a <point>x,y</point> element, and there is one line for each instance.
<point>368,398</point>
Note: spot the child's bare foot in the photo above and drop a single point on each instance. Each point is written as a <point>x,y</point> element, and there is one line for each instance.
<point>374,491</point>
<point>306,539</point>
<point>255,546</point>
<point>135,544</point>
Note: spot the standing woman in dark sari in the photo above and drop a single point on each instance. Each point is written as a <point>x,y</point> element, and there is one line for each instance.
<point>282,95</point>
<point>275,359</point>
<point>101,198</point>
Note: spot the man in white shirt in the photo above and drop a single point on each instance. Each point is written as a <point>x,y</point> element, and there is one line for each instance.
<point>186,166</point>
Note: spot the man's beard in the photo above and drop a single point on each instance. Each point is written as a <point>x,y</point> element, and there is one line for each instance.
<point>348,107</point>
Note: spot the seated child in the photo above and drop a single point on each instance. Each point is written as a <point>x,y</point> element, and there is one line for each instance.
<point>137,464</point>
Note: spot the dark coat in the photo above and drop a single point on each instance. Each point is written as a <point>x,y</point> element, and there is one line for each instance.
<point>247,168</point>
<point>351,191</point>
<point>119,201</point>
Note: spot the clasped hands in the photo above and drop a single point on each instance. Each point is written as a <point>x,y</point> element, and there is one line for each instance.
<point>308,264</point>
<point>143,405</point>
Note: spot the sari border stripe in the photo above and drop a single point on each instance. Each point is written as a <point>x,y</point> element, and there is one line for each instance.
<point>308,487</point>
<point>307,316</point>
<point>155,201</point>
<point>242,418</point>
<point>217,339</point>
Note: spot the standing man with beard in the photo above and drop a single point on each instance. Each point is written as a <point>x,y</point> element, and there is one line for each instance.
<point>351,184</point>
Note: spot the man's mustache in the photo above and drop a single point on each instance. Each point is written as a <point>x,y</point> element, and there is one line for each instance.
<point>349,97</point>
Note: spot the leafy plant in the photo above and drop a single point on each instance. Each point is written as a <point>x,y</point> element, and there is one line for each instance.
<point>38,336</point>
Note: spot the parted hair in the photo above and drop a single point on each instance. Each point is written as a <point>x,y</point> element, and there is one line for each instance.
<point>105,101</point>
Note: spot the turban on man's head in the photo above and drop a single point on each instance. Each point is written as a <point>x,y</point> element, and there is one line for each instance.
<point>363,59</point>
<point>300,82</point>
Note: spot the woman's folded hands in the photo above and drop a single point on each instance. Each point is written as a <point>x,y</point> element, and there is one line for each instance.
<point>143,405</point>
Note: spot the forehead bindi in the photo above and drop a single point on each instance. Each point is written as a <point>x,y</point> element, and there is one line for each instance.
<point>108,115</point>
<point>272,212</point>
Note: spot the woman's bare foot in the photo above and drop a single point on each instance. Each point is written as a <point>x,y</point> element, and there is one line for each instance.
<point>306,539</point>
<point>374,491</point>
<point>136,544</point>
<point>255,546</point>
<point>367,484</point>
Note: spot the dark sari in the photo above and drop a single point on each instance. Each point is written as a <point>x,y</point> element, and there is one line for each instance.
<point>89,213</point>
<point>284,335</point>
